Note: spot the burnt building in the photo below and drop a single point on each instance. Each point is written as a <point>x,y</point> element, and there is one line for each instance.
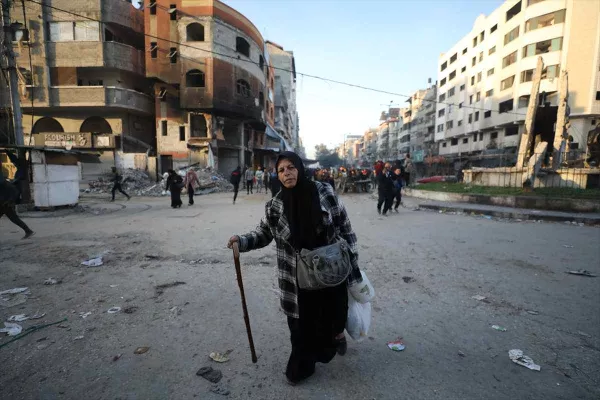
<point>213,85</point>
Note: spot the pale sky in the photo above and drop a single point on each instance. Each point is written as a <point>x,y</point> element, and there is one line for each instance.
<point>392,45</point>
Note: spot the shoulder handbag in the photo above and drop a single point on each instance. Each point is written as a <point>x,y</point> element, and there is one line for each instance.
<point>323,267</point>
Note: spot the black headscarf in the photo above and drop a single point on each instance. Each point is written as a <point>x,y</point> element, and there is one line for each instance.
<point>302,207</point>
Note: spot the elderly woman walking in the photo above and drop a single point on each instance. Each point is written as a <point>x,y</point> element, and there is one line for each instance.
<point>306,215</point>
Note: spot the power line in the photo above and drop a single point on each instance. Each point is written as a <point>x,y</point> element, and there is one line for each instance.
<point>316,77</point>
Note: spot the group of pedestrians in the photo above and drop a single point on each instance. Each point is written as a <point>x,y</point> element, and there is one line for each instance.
<point>389,186</point>
<point>261,179</point>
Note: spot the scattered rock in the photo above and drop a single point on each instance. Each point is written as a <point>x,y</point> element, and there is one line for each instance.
<point>220,390</point>
<point>51,281</point>
<point>115,358</point>
<point>160,289</point>
<point>130,309</point>
<point>141,350</point>
<point>210,374</point>
<point>408,279</point>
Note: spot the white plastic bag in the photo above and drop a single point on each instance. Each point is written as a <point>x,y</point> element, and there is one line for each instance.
<point>362,292</point>
<point>359,319</point>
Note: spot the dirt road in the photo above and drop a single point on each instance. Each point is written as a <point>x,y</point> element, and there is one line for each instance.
<point>426,268</point>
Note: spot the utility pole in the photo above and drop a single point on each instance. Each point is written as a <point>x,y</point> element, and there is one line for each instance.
<point>12,73</point>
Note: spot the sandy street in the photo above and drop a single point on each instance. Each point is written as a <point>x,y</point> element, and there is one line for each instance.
<point>426,267</point>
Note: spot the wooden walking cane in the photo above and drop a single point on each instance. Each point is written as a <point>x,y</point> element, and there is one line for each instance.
<point>238,271</point>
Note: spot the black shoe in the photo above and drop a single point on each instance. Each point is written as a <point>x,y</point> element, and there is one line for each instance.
<point>128,198</point>
<point>342,346</point>
<point>378,211</point>
<point>28,235</point>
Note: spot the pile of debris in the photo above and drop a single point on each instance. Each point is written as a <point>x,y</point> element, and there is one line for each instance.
<point>137,182</point>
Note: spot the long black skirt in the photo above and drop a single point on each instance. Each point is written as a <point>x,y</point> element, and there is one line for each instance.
<point>323,315</point>
<point>176,198</point>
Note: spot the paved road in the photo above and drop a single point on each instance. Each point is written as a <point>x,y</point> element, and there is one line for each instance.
<point>452,352</point>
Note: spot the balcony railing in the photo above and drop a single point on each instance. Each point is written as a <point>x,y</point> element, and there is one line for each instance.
<point>100,96</point>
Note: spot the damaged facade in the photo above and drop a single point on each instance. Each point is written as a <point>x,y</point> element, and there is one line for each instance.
<point>485,80</point>
<point>85,86</point>
<point>213,86</point>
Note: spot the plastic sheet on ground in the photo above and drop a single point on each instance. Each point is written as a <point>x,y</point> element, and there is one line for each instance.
<point>518,357</point>
<point>11,329</point>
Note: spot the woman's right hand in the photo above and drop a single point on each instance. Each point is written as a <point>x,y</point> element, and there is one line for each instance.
<point>232,240</point>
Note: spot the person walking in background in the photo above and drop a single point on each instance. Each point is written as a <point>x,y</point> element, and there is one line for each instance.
<point>408,167</point>
<point>9,196</point>
<point>385,187</point>
<point>249,180</point>
<point>259,179</point>
<point>267,180</point>
<point>397,179</point>
<point>174,185</point>
<point>117,180</point>
<point>236,177</point>
<point>191,182</point>
<point>274,182</point>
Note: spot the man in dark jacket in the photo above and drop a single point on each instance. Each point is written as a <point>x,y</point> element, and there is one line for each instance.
<point>117,179</point>
<point>236,177</point>
<point>8,198</point>
<point>385,187</point>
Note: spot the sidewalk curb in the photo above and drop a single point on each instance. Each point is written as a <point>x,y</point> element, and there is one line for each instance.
<point>514,214</point>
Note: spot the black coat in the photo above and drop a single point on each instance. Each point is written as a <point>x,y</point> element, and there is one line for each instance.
<point>385,182</point>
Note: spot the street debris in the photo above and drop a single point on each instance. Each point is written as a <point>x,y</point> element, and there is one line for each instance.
<point>210,374</point>
<point>51,281</point>
<point>115,358</point>
<point>479,297</point>
<point>396,345</point>
<point>582,272</point>
<point>461,354</point>
<point>567,246</point>
<point>160,289</point>
<point>18,318</point>
<point>14,291</point>
<point>93,262</point>
<point>220,358</point>
<point>141,350</point>
<point>13,297</point>
<point>532,312</point>
<point>499,328</point>
<point>84,315</point>
<point>220,390</point>
<point>518,357</point>
<point>141,184</point>
<point>114,310</point>
<point>580,333</point>
<point>113,286</point>
<point>408,279</point>
<point>152,256</point>
<point>130,309</point>
<point>78,337</point>
<point>11,329</point>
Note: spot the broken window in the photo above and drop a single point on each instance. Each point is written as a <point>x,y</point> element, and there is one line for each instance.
<point>511,131</point>
<point>516,9</point>
<point>442,82</point>
<point>182,133</point>
<point>460,122</point>
<point>449,124</point>
<point>452,75</point>
<point>453,58</point>
<point>494,135</point>
<point>475,137</point>
<point>453,142</point>
<point>487,114</point>
<point>243,88</point>
<point>194,32</point>
<point>195,78</point>
<point>476,116</point>
<point>173,12</point>
<point>492,51</point>
<point>444,144</point>
<point>442,97</point>
<point>545,46</point>
<point>493,28</point>
<point>510,36</point>
<point>505,106</point>
<point>524,101</point>
<point>509,59</point>
<point>152,7</point>
<point>163,127</point>
<point>153,50</point>
<point>242,46</point>
<point>465,140</point>
<point>162,94</point>
<point>507,83</point>
<point>444,66</point>
<point>440,128</point>
<point>543,21</point>
<point>173,55</point>
<point>441,112</point>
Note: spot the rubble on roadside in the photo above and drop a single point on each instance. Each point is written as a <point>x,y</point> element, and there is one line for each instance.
<point>138,183</point>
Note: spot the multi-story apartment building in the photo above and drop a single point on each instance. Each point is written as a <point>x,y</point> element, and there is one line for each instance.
<point>485,79</point>
<point>368,147</point>
<point>213,84</point>
<point>286,120</point>
<point>420,123</point>
<point>83,82</point>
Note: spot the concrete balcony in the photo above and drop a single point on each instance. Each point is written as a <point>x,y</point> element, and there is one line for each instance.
<point>96,54</point>
<point>119,12</point>
<point>100,96</point>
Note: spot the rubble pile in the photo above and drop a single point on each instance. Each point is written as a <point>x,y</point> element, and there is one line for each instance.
<point>136,182</point>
